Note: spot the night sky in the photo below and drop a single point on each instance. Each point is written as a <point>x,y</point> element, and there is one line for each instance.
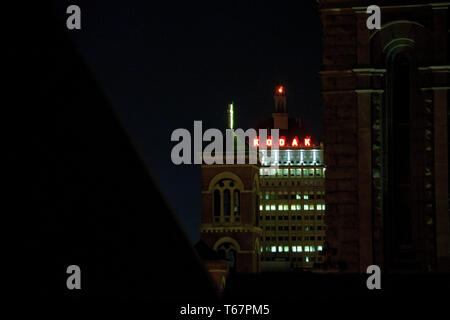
<point>165,64</point>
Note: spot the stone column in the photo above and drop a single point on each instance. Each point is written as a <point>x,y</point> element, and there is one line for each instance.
<point>365,179</point>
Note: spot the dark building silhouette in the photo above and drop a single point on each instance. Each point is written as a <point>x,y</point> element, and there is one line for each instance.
<point>82,194</point>
<point>385,97</point>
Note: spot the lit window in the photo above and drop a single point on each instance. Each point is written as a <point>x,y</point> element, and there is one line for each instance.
<point>261,249</point>
<point>298,172</point>
<point>267,207</point>
<point>305,207</point>
<point>306,197</point>
<point>299,207</point>
<point>280,207</point>
<point>299,248</point>
<point>273,207</point>
<point>311,207</point>
<point>261,207</point>
<point>311,172</point>
<point>285,172</point>
<point>319,248</point>
<point>293,172</point>
<point>267,196</point>
<point>312,248</point>
<point>286,248</point>
<point>286,207</point>
<point>318,172</point>
<point>323,207</point>
<point>294,249</point>
<point>273,249</point>
<point>293,207</point>
<point>280,172</point>
<point>298,196</point>
<point>306,248</point>
<point>280,249</point>
<point>307,259</point>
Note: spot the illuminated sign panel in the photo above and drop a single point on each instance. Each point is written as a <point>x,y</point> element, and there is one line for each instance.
<point>283,142</point>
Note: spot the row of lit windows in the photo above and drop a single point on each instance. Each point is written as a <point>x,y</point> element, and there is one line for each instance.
<point>299,228</point>
<point>275,249</point>
<point>293,196</point>
<point>296,259</point>
<point>285,173</point>
<point>293,217</point>
<point>295,238</point>
<point>292,207</point>
<point>290,182</point>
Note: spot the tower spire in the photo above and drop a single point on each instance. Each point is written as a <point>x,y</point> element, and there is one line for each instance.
<point>280,99</point>
<point>280,116</point>
<point>231,115</point>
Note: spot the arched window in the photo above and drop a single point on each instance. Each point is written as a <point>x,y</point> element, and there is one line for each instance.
<point>400,141</point>
<point>228,252</point>
<point>226,202</point>
<point>399,217</point>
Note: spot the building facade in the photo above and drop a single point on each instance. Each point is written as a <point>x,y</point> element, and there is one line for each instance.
<point>292,208</point>
<point>385,98</point>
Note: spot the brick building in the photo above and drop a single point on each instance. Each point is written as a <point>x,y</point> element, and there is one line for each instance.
<point>386,135</point>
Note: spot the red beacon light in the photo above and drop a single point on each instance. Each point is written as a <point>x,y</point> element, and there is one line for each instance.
<point>280,89</point>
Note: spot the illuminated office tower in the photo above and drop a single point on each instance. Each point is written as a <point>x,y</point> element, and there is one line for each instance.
<point>291,198</point>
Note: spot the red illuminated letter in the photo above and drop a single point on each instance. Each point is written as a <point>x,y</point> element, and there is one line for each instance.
<point>256,142</point>
<point>295,142</point>
<point>282,142</point>
<point>269,142</point>
<point>308,142</point>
